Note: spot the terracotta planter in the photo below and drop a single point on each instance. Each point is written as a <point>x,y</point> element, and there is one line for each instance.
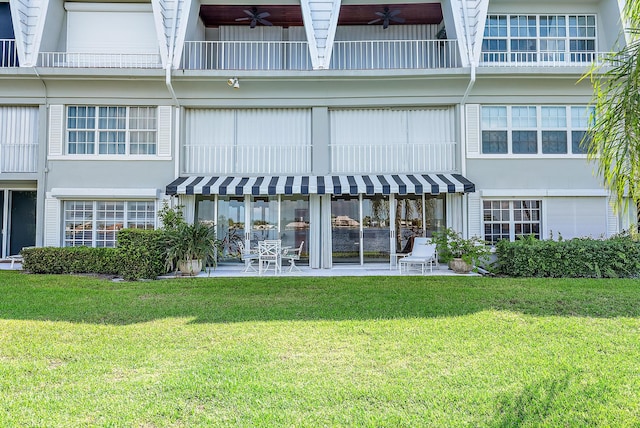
<point>190,268</point>
<point>460,266</point>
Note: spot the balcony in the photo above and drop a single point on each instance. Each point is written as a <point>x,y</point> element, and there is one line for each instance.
<point>18,158</point>
<point>348,55</point>
<point>8,53</point>
<point>246,56</point>
<point>390,158</point>
<point>98,60</point>
<point>395,54</point>
<point>247,159</point>
<point>542,59</point>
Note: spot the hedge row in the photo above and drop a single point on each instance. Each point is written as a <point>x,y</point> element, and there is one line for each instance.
<point>72,260</point>
<point>139,254</point>
<point>143,253</point>
<point>575,258</point>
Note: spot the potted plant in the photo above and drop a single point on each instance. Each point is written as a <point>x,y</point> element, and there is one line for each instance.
<point>190,247</point>
<point>461,254</point>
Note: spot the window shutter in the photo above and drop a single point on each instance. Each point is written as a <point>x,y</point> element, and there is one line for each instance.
<point>612,219</point>
<point>474,209</point>
<point>52,225</point>
<point>56,130</point>
<point>164,131</point>
<point>473,129</point>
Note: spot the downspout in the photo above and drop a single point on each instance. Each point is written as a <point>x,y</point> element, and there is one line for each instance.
<point>463,115</point>
<point>470,54</point>
<point>170,55</point>
<point>41,196</point>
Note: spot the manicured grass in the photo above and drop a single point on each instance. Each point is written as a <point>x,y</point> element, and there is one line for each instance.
<point>308,352</point>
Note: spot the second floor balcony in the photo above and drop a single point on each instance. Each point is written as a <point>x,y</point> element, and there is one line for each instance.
<point>99,60</point>
<point>8,53</point>
<point>18,158</point>
<point>344,158</point>
<point>346,55</point>
<point>542,59</point>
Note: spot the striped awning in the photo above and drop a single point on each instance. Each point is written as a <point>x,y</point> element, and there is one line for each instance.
<point>402,184</point>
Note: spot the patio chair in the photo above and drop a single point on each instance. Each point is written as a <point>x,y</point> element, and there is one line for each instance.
<point>293,256</point>
<point>248,257</point>
<point>270,254</point>
<point>422,255</point>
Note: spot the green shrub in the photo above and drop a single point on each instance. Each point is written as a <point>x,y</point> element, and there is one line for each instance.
<point>575,258</point>
<point>71,260</point>
<point>143,253</point>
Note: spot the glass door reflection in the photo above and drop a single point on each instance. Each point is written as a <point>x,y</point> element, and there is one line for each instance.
<point>345,229</point>
<point>375,229</point>
<point>264,219</point>
<point>230,226</point>
<point>294,224</point>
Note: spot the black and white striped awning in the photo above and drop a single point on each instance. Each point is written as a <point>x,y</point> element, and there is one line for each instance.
<point>401,184</point>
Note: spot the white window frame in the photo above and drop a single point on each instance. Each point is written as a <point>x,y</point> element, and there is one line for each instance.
<point>511,222</point>
<point>128,219</point>
<point>540,55</point>
<point>539,129</point>
<point>97,130</point>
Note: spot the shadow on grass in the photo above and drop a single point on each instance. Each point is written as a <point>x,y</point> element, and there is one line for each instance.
<point>226,300</point>
<point>531,405</point>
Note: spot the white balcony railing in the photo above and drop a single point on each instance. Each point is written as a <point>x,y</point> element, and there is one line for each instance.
<point>246,56</point>
<point>18,158</point>
<point>395,54</point>
<point>8,53</point>
<point>542,59</point>
<point>263,158</point>
<point>352,55</point>
<point>99,60</point>
<point>393,158</point>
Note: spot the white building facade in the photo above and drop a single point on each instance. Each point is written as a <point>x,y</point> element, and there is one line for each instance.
<point>352,126</point>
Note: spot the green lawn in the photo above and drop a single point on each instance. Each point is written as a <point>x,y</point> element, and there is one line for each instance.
<point>309,352</point>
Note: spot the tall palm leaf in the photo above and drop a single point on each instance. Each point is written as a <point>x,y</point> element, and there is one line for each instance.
<point>613,140</point>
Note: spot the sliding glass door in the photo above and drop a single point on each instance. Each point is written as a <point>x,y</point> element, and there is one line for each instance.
<point>345,229</point>
<point>360,229</point>
<point>375,229</point>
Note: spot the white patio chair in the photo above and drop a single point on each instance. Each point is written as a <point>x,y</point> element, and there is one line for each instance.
<point>248,257</point>
<point>270,254</point>
<point>293,256</point>
<point>422,255</point>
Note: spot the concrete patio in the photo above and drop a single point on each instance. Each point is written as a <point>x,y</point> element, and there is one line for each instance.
<point>371,269</point>
<point>231,270</point>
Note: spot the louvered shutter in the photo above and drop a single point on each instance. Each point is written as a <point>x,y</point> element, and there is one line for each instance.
<point>164,131</point>
<point>474,209</point>
<point>56,130</point>
<point>52,225</point>
<point>473,129</point>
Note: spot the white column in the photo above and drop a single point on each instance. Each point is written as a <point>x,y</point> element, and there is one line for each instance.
<point>315,238</point>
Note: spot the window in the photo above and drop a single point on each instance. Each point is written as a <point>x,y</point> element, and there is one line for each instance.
<point>523,134</point>
<point>494,129</point>
<point>96,223</point>
<point>581,118</point>
<point>532,38</point>
<point>582,37</point>
<point>494,45</point>
<point>506,219</point>
<point>534,130</point>
<point>111,130</point>
<point>554,130</point>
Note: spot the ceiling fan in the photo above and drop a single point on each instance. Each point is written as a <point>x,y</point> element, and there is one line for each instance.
<point>255,17</point>
<point>387,16</point>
